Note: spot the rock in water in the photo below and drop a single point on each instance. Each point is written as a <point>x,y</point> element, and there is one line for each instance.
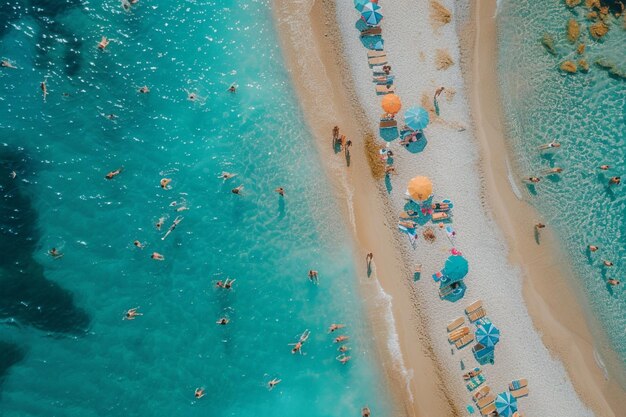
<point>548,43</point>
<point>569,66</point>
<point>573,30</point>
<point>598,30</point>
<point>584,65</point>
<point>580,49</point>
<point>572,3</point>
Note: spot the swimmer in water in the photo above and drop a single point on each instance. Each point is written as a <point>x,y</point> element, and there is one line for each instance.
<point>593,248</point>
<point>604,167</point>
<point>343,358</point>
<point>55,253</point>
<point>341,338</point>
<point>226,175</point>
<point>227,284</point>
<point>126,5</point>
<point>297,347</point>
<point>157,256</point>
<point>237,190</point>
<point>280,191</point>
<point>343,348</point>
<point>199,393</point>
<point>555,170</point>
<point>232,88</point>
<point>144,90</point>
<point>334,327</point>
<point>615,181</point>
<point>273,383</point>
<point>13,175</point>
<point>138,244</point>
<point>159,223</point>
<point>112,174</point>
<point>223,321</point>
<point>550,145</point>
<point>173,226</point>
<point>607,263</point>
<point>533,180</point>
<point>44,90</point>
<point>165,183</point>
<point>104,42</point>
<point>613,282</point>
<point>365,412</point>
<point>131,314</point>
<point>313,276</point>
<point>7,64</point>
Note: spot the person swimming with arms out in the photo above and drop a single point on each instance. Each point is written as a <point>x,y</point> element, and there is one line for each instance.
<point>343,358</point>
<point>159,223</point>
<point>341,338</point>
<point>615,181</point>
<point>55,253</point>
<point>6,64</point>
<point>226,175</point>
<point>177,220</point>
<point>237,190</point>
<point>280,191</point>
<point>165,183</point>
<point>131,314</point>
<point>313,276</point>
<point>114,173</point>
<point>297,347</point>
<point>104,42</point>
<point>271,384</point>
<point>144,90</point>
<point>551,145</point>
<point>157,256</point>
<point>334,327</point>
<point>199,392</point>
<point>223,321</point>
<point>227,284</point>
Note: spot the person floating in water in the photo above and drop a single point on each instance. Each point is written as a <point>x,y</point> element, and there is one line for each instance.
<point>227,284</point>
<point>341,338</point>
<point>607,263</point>
<point>44,90</point>
<point>157,256</point>
<point>131,314</point>
<point>159,223</point>
<point>613,282</point>
<point>237,190</point>
<point>593,248</point>
<point>144,89</point>
<point>343,348</point>
<point>280,191</point>
<point>165,183</point>
<point>555,170</point>
<point>172,227</point>
<point>112,174</point>
<point>104,42</point>
<point>6,64</point>
<point>226,175</point>
<point>273,383</point>
<point>199,393</point>
<point>232,88</point>
<point>55,253</point>
<point>138,244</point>
<point>365,412</point>
<point>223,321</point>
<point>335,133</point>
<point>343,358</point>
<point>533,180</point>
<point>615,181</point>
<point>551,145</point>
<point>297,347</point>
<point>313,276</point>
<point>334,327</point>
<point>604,167</point>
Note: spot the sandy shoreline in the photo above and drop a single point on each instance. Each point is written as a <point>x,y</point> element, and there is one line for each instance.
<point>329,95</point>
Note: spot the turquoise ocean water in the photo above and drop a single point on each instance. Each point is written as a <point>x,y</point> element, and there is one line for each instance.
<point>65,349</point>
<point>585,113</point>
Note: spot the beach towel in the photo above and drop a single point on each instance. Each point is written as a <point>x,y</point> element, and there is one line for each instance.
<point>437,276</point>
<point>450,233</point>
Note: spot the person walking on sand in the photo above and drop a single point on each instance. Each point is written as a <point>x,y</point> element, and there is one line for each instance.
<point>273,383</point>
<point>435,101</point>
<point>131,314</point>
<point>593,248</point>
<point>280,191</point>
<point>112,174</point>
<point>313,276</point>
<point>237,190</point>
<point>347,148</point>
<point>539,226</point>
<point>368,259</point>
<point>615,181</point>
<point>335,133</point>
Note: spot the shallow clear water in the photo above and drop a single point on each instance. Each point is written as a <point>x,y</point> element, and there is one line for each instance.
<point>65,348</point>
<point>585,113</point>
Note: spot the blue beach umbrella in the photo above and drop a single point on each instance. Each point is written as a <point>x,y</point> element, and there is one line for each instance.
<point>416,118</point>
<point>456,268</point>
<point>358,4</point>
<point>488,335</point>
<point>506,404</point>
<point>371,14</point>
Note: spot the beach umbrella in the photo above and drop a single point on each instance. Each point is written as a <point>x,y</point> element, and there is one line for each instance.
<point>370,13</point>
<point>420,188</point>
<point>416,118</point>
<point>456,268</point>
<point>506,404</point>
<point>358,4</point>
<point>391,103</point>
<point>487,335</point>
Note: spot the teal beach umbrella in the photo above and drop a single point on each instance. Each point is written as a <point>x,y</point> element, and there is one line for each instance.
<point>506,404</point>
<point>371,14</point>
<point>416,118</point>
<point>358,4</point>
<point>456,268</point>
<point>488,335</point>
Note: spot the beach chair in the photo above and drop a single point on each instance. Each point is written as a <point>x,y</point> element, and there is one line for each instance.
<point>385,124</point>
<point>457,334</point>
<point>488,409</point>
<point>517,384</point>
<point>481,393</point>
<point>439,207</point>
<point>439,216</point>
<point>374,54</point>
<point>376,61</point>
<point>475,382</point>
<point>456,323</point>
<point>474,306</point>
<point>445,291</point>
<point>372,31</point>
<point>383,79</point>
<point>518,393</point>
<point>477,315</point>
<point>464,341</point>
<point>485,401</point>
<point>386,89</point>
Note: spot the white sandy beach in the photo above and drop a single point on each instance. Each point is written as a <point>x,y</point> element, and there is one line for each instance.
<point>451,161</point>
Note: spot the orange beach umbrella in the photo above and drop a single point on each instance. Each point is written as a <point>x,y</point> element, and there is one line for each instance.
<point>420,188</point>
<point>391,103</point>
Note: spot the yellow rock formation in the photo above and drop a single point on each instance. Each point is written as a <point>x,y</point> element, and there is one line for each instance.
<point>573,30</point>
<point>584,65</point>
<point>598,29</point>
<point>580,49</point>
<point>569,66</point>
<point>572,3</point>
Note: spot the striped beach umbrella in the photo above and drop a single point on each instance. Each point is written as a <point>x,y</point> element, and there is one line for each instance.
<point>371,14</point>
<point>488,335</point>
<point>506,404</point>
<point>416,118</point>
<point>358,4</point>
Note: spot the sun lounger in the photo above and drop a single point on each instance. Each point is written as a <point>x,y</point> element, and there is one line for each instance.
<point>517,384</point>
<point>474,306</point>
<point>464,341</point>
<point>374,54</point>
<point>385,124</point>
<point>472,373</point>
<point>379,60</point>
<point>485,401</point>
<point>373,31</point>
<point>518,393</point>
<point>477,314</point>
<point>383,79</point>
<point>458,333</point>
<point>436,217</point>
<point>441,207</point>
<point>456,323</point>
<point>475,382</point>
<point>386,89</point>
<point>445,291</point>
<point>481,393</point>
<point>488,409</point>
